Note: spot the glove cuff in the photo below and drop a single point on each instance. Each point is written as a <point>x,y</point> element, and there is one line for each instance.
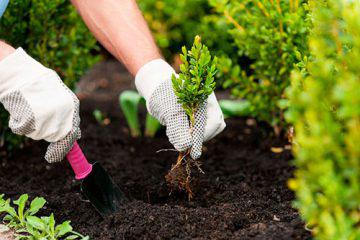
<point>151,75</point>
<point>16,69</point>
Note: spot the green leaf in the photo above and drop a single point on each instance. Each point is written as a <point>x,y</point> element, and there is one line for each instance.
<point>36,205</point>
<point>21,202</point>
<point>152,125</point>
<point>6,207</point>
<point>63,229</point>
<point>99,116</point>
<point>36,222</point>
<point>129,102</point>
<point>51,226</point>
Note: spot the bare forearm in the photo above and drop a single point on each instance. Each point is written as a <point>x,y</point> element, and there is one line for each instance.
<point>5,50</point>
<point>121,29</point>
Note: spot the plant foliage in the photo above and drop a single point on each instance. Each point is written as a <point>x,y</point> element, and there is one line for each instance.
<point>27,225</point>
<point>272,36</point>
<point>325,110</point>
<point>130,102</point>
<point>196,80</point>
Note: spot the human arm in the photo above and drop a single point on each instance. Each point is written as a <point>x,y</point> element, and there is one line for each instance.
<point>5,50</point>
<point>121,28</point>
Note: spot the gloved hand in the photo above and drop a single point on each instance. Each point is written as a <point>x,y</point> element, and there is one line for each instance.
<point>153,82</point>
<point>39,103</point>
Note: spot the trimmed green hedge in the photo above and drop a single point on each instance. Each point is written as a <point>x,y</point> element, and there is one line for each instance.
<point>259,44</point>
<point>325,110</point>
<point>270,35</point>
<point>52,32</point>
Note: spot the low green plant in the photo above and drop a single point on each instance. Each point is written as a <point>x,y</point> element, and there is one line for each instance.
<point>152,126</point>
<point>233,108</point>
<point>325,111</point>
<point>196,81</point>
<point>27,225</point>
<point>130,102</point>
<point>99,116</point>
<point>53,33</point>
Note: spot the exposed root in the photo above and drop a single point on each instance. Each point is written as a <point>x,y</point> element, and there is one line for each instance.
<point>166,150</point>
<point>179,175</point>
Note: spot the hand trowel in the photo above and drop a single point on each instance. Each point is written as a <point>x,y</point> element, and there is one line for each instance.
<point>96,184</point>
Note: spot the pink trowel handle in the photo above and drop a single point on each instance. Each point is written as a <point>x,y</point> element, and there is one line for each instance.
<point>78,162</point>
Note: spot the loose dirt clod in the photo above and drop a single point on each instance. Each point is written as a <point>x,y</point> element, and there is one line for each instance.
<point>180,173</point>
<point>6,233</point>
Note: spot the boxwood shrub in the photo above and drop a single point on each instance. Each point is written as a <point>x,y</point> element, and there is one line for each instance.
<point>271,37</point>
<point>325,110</point>
<point>52,32</point>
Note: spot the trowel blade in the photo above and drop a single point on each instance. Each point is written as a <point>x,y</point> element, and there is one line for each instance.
<point>102,192</point>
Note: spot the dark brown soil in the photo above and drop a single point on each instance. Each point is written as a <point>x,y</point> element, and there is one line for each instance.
<point>243,194</point>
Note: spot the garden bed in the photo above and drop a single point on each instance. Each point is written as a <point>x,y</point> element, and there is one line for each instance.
<point>243,194</point>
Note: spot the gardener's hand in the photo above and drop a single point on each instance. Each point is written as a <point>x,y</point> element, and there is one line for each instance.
<point>153,81</point>
<point>40,105</point>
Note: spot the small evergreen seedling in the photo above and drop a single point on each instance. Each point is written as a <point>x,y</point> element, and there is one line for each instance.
<point>196,80</point>
<point>195,83</point>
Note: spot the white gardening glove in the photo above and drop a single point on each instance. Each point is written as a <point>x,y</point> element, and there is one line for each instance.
<point>39,103</point>
<point>153,81</point>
